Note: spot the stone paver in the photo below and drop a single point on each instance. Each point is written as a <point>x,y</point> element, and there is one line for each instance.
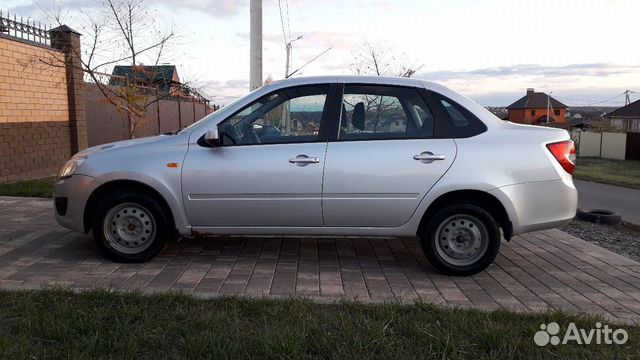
<point>546,269</point>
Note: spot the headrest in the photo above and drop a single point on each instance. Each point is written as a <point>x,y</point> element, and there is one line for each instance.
<point>357,118</point>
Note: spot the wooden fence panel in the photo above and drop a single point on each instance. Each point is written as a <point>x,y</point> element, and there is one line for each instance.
<point>169,116</point>
<point>186,108</point>
<point>633,146</point>
<point>201,111</point>
<point>105,124</point>
<point>148,126</point>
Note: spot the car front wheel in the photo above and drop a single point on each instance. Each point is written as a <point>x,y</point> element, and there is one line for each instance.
<point>131,227</point>
<point>461,239</point>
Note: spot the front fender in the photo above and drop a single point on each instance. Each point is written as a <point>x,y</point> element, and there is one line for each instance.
<point>168,187</point>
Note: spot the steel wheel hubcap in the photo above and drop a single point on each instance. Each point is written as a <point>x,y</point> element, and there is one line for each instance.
<point>129,228</point>
<point>461,240</point>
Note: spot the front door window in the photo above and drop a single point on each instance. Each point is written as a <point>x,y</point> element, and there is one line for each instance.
<point>291,115</point>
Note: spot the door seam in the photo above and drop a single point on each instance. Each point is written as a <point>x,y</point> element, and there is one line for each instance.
<point>324,165</point>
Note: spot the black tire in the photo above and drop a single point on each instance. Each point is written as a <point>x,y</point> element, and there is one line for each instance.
<point>599,216</point>
<point>490,237</point>
<point>162,234</point>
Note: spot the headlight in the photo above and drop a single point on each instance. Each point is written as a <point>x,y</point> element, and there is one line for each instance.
<point>71,166</point>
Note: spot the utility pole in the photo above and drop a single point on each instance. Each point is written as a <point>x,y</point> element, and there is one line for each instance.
<point>289,55</point>
<point>255,49</point>
<point>627,100</point>
<point>548,105</point>
<point>553,112</point>
<point>286,112</point>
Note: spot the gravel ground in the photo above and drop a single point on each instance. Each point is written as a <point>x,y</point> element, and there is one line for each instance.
<point>623,238</point>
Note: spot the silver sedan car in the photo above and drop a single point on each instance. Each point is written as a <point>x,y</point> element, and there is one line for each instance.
<point>329,156</point>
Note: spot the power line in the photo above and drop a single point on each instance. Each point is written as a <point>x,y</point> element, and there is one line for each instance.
<point>309,62</point>
<point>607,100</point>
<point>284,34</point>
<point>574,99</point>
<point>288,20</point>
<point>590,101</point>
<point>583,100</point>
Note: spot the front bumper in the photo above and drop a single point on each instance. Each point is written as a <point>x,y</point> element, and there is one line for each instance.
<point>70,197</point>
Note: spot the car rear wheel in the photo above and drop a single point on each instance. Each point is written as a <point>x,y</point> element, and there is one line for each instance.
<point>131,227</point>
<point>461,239</point>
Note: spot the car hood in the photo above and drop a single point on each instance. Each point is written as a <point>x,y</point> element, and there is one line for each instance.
<point>124,144</point>
<point>133,155</point>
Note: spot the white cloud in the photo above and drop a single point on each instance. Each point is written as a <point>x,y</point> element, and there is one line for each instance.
<point>482,48</point>
<point>213,8</point>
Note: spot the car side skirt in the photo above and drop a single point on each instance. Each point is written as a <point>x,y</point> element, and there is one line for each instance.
<point>402,231</point>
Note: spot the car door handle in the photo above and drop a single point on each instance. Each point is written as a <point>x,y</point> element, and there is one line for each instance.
<point>428,156</point>
<point>304,159</point>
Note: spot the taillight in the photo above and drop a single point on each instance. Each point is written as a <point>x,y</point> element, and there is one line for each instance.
<point>565,153</point>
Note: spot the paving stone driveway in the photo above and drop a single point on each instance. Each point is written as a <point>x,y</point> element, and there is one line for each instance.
<point>547,269</point>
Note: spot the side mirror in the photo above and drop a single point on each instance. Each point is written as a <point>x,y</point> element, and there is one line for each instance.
<point>211,138</point>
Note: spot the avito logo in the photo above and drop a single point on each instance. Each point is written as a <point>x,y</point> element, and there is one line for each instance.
<point>549,334</point>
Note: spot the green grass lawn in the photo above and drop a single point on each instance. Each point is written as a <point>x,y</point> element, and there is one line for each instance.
<point>615,172</point>
<point>101,324</point>
<point>29,188</point>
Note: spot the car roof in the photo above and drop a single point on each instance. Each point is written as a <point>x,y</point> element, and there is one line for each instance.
<point>364,79</point>
<point>360,79</point>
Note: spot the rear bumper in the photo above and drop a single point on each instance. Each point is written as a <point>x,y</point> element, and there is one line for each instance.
<point>70,197</point>
<point>539,205</point>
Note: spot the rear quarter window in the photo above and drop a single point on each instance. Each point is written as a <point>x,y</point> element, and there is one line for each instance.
<point>463,122</point>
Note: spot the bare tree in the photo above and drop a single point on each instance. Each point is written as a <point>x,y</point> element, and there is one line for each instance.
<point>122,32</point>
<point>268,80</point>
<point>381,59</point>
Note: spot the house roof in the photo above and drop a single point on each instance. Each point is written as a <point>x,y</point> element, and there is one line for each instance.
<point>573,123</point>
<point>631,110</point>
<point>64,29</point>
<point>156,74</point>
<point>536,100</point>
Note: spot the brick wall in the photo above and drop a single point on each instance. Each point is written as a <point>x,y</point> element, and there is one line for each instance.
<point>524,116</point>
<point>34,112</point>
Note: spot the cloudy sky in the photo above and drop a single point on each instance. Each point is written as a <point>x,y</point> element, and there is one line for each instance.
<point>584,51</point>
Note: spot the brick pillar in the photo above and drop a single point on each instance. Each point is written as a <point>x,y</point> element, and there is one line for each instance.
<point>67,40</point>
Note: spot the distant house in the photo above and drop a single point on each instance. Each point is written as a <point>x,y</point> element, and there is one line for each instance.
<point>163,77</point>
<point>626,118</point>
<point>532,109</point>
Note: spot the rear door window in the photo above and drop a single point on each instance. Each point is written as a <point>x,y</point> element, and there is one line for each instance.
<point>384,112</point>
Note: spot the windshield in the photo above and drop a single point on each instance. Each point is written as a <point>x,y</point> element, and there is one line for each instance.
<point>198,123</point>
